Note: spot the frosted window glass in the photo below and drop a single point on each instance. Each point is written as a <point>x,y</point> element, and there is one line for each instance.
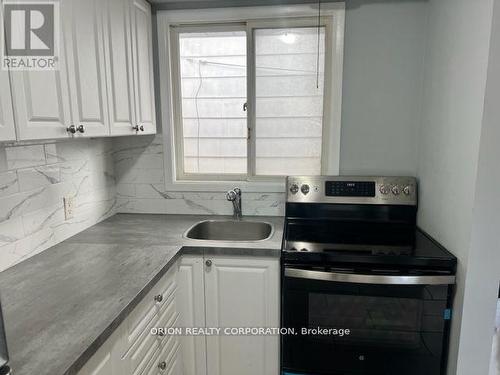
<point>213,87</point>
<point>289,100</point>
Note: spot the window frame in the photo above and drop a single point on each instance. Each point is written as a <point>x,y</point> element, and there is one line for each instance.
<point>171,23</point>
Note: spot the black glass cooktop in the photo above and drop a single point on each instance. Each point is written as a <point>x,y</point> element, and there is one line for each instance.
<point>417,249</point>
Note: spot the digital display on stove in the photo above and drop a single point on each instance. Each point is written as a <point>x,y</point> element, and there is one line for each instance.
<point>350,188</point>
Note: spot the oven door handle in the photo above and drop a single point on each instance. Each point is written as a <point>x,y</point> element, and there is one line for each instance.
<point>369,279</point>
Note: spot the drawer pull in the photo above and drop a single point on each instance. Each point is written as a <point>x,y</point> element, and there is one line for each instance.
<point>159,298</point>
<point>162,365</point>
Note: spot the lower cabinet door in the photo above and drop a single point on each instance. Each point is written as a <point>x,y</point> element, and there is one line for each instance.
<point>107,359</point>
<point>191,305</point>
<point>242,293</point>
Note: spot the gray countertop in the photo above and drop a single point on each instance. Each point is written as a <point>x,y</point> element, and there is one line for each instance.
<point>62,304</point>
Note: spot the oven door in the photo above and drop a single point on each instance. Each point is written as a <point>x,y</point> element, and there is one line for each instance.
<point>397,324</point>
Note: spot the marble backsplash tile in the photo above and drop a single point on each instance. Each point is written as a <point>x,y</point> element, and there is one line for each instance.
<point>105,176</point>
<point>140,186</point>
<point>34,179</point>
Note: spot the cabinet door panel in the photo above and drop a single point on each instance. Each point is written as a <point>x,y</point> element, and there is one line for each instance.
<point>106,361</point>
<point>242,292</point>
<point>86,65</point>
<point>143,66</point>
<point>119,67</point>
<point>41,103</point>
<point>7,132</point>
<point>191,302</point>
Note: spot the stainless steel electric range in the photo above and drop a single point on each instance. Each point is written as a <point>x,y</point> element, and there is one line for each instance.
<point>364,290</point>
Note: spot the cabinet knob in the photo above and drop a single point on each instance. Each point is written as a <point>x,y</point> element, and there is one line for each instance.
<point>138,128</point>
<point>159,298</point>
<point>71,129</point>
<point>81,129</point>
<point>162,365</point>
<point>208,263</point>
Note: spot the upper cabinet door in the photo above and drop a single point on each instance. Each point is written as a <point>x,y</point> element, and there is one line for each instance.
<point>120,81</point>
<point>7,131</point>
<point>83,37</point>
<point>142,52</point>
<point>41,102</point>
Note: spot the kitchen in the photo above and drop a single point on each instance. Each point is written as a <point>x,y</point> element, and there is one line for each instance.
<point>93,196</point>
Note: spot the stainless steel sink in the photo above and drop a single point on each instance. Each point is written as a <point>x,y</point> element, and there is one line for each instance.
<point>230,230</point>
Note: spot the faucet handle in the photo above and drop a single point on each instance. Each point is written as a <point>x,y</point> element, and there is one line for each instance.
<point>237,190</point>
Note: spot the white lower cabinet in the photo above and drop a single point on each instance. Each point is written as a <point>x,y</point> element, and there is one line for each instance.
<point>107,360</point>
<point>239,292</point>
<point>132,349</point>
<point>191,302</point>
<point>199,292</point>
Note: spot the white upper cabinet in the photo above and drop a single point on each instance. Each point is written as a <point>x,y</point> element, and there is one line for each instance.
<point>7,131</point>
<point>83,37</point>
<point>120,79</point>
<point>142,54</point>
<point>104,84</point>
<point>41,102</point>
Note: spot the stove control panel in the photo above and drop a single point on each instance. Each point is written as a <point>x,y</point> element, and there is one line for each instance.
<point>352,190</point>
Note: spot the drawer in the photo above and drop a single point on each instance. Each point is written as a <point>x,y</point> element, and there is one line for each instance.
<point>150,307</point>
<point>167,362</point>
<point>146,346</point>
<point>169,318</point>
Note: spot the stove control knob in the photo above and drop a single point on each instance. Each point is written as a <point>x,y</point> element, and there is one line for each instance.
<point>396,190</point>
<point>384,189</point>
<point>294,189</point>
<point>304,189</point>
<point>407,190</point>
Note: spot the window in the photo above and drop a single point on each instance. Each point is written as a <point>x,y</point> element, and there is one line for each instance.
<point>214,90</point>
<point>289,74</point>
<point>255,100</point>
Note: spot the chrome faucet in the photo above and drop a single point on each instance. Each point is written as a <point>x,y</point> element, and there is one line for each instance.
<point>235,197</point>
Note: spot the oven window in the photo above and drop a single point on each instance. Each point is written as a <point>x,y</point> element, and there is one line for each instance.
<point>380,321</point>
<point>393,329</point>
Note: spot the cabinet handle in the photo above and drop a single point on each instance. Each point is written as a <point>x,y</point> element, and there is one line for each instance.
<point>138,128</point>
<point>71,129</point>
<point>162,365</point>
<point>159,298</point>
<point>81,129</point>
<point>208,263</point>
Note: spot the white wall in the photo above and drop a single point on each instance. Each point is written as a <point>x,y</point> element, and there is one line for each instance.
<point>454,87</point>
<point>382,86</point>
<point>483,267</point>
<point>35,177</point>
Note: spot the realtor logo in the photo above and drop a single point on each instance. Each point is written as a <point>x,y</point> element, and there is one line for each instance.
<point>31,35</point>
